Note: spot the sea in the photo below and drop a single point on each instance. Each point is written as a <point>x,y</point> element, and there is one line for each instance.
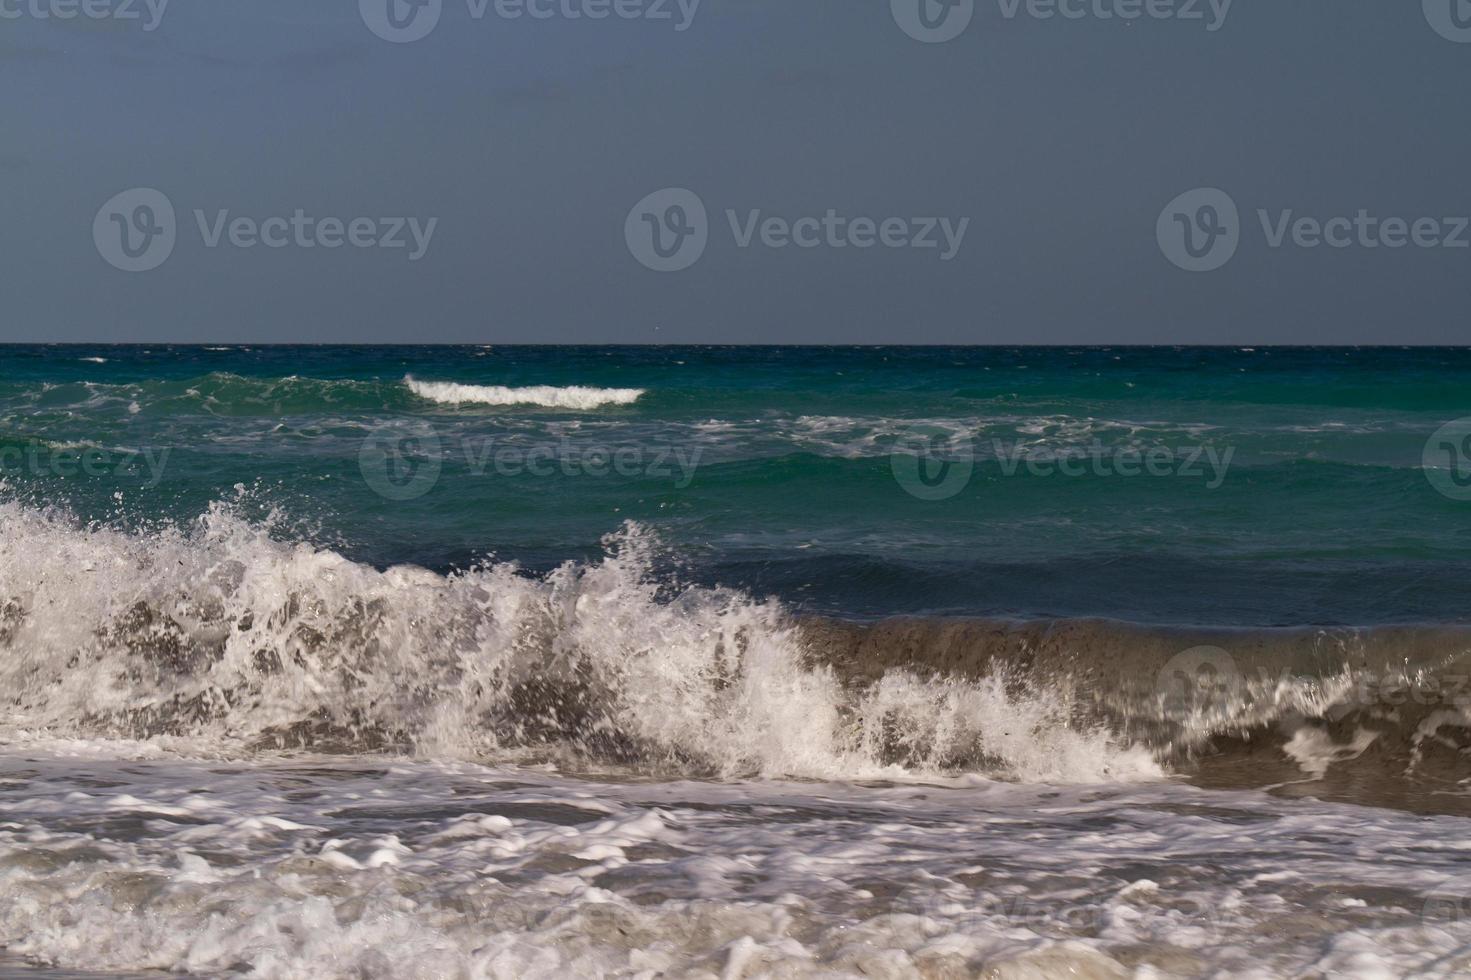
<point>735,662</point>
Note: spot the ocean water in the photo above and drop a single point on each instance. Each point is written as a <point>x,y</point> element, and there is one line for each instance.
<point>735,662</point>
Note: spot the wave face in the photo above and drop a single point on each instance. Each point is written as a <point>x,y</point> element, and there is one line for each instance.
<point>546,396</point>
<point>217,632</point>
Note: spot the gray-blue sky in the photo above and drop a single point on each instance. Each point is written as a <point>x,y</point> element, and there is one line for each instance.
<point>530,141</point>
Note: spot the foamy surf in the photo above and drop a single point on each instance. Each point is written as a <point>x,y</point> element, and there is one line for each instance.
<point>546,396</point>
<point>113,858</point>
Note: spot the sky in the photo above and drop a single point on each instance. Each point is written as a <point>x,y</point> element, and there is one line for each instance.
<point>816,171</point>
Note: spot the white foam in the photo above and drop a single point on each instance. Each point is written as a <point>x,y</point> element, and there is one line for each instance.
<point>547,396</point>
<point>1315,751</point>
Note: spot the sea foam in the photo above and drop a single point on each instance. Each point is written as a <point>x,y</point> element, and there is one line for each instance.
<point>328,867</point>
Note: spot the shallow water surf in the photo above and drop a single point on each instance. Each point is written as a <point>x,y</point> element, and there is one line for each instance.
<point>322,866</point>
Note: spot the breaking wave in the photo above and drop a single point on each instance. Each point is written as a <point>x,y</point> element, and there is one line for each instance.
<point>217,632</point>
<point>546,396</point>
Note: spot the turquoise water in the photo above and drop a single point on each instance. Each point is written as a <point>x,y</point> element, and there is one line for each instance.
<point>1291,488</point>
